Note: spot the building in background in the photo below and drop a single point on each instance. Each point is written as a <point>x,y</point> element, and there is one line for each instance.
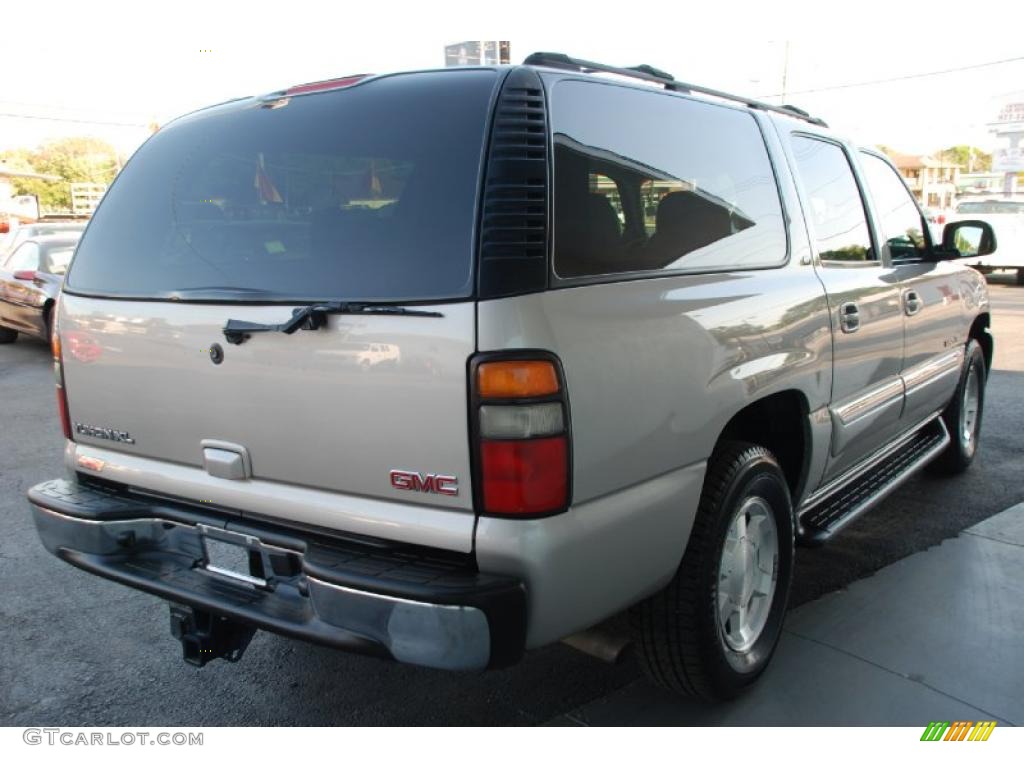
<point>1009,126</point>
<point>933,182</point>
<point>85,196</point>
<point>18,208</point>
<point>475,52</point>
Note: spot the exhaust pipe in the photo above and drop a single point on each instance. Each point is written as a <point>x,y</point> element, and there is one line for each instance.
<point>602,642</point>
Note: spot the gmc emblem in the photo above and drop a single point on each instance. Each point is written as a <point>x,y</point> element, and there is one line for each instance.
<point>446,485</point>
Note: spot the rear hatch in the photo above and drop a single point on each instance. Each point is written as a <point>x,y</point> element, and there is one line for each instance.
<point>252,211</point>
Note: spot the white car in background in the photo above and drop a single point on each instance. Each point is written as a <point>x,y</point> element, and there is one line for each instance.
<point>1006,215</point>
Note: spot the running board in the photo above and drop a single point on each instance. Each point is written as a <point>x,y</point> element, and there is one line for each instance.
<point>825,515</point>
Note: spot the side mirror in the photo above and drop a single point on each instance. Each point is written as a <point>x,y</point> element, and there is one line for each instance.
<point>964,239</point>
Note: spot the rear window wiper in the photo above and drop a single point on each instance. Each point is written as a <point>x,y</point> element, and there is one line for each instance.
<point>314,316</point>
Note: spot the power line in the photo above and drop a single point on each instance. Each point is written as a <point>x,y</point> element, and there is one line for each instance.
<point>897,79</point>
<point>72,120</point>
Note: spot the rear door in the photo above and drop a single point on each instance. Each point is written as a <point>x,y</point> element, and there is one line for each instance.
<point>249,212</point>
<point>864,301</point>
<point>935,329</point>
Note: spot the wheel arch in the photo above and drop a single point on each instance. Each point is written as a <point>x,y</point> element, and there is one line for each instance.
<point>778,422</point>
<point>980,331</point>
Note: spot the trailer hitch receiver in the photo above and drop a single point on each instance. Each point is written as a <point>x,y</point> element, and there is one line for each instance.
<point>205,637</point>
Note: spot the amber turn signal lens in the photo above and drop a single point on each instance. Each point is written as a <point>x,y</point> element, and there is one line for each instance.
<point>517,378</point>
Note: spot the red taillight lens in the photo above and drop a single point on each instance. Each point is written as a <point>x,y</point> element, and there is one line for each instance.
<point>62,409</point>
<point>524,477</point>
<point>522,427</point>
<point>58,375</point>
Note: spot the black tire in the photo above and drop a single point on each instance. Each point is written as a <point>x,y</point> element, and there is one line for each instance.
<point>963,448</point>
<point>48,324</point>
<point>1020,276</point>
<point>679,641</point>
<point>7,335</point>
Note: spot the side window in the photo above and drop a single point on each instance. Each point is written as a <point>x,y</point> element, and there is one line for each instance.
<point>836,209</point>
<point>26,257</point>
<point>646,181</point>
<point>897,211</point>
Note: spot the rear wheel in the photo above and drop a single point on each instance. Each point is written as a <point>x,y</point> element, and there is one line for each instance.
<point>711,632</point>
<point>963,414</point>
<point>7,336</point>
<point>48,324</point>
<point>1020,276</point>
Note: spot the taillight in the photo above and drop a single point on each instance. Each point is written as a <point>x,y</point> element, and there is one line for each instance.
<point>58,375</point>
<point>521,423</point>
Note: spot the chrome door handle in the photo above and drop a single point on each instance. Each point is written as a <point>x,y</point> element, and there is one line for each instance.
<point>912,303</point>
<point>849,317</point>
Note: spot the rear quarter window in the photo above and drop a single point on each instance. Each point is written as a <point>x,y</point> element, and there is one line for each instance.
<point>647,182</point>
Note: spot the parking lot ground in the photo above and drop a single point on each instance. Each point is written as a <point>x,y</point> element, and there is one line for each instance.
<point>936,636</point>
<point>83,651</point>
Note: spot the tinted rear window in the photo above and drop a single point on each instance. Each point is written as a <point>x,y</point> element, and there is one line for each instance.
<point>366,193</point>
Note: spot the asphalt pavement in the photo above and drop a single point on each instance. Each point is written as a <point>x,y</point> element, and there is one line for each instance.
<point>83,651</point>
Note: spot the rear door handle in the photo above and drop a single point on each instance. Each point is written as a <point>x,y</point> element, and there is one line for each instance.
<point>912,303</point>
<point>849,317</point>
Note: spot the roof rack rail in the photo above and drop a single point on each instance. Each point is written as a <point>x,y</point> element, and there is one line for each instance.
<point>652,75</point>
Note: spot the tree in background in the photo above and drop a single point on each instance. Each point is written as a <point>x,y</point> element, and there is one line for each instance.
<point>72,160</point>
<point>970,159</point>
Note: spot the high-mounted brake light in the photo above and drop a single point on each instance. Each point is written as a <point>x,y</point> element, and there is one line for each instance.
<point>521,421</point>
<point>325,85</point>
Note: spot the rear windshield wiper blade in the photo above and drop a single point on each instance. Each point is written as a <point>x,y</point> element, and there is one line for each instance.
<point>314,316</point>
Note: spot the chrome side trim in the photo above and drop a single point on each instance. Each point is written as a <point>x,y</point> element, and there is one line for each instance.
<point>931,370</point>
<point>863,466</point>
<point>880,397</point>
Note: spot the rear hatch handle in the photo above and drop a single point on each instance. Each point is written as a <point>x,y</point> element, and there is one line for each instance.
<point>314,316</point>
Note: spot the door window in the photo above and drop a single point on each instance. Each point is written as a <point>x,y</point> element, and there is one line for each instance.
<point>898,215</point>
<point>836,209</point>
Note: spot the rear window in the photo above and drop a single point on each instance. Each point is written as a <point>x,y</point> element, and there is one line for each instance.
<point>366,193</point>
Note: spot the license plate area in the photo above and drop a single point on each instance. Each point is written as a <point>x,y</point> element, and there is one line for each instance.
<point>234,556</point>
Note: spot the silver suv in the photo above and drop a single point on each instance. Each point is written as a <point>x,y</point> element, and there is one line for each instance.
<point>442,366</point>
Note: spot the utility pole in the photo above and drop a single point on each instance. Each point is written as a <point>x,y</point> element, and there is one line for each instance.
<point>785,69</point>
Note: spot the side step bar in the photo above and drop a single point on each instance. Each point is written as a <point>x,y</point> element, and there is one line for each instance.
<point>824,515</point>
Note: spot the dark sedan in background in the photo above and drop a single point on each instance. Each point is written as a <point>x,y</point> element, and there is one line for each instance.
<point>15,237</point>
<point>30,280</point>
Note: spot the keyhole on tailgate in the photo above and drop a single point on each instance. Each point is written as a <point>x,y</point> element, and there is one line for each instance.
<point>217,354</point>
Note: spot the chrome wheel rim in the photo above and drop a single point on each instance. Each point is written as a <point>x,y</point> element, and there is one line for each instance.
<point>748,573</point>
<point>969,408</point>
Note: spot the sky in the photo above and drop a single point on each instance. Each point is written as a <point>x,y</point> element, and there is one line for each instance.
<point>124,65</point>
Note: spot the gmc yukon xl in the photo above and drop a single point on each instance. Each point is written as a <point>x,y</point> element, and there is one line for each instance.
<point>443,366</point>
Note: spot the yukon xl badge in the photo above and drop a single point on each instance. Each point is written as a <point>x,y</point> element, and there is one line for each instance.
<point>446,485</point>
<point>104,434</point>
